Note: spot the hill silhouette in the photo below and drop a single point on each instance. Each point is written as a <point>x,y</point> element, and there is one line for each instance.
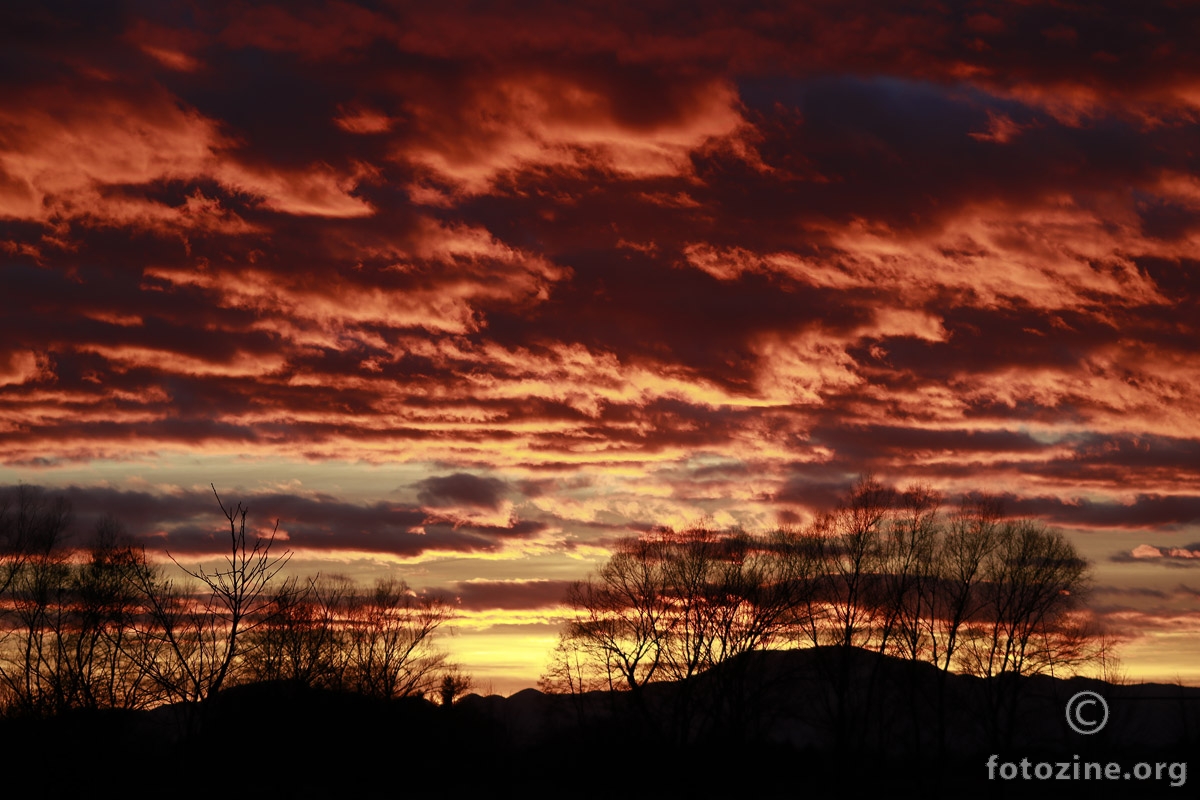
<point>766,724</point>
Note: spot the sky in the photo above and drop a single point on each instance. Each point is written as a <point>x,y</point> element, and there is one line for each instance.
<point>464,292</point>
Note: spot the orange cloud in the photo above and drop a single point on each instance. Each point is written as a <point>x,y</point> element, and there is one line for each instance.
<point>66,152</point>
<point>533,121</point>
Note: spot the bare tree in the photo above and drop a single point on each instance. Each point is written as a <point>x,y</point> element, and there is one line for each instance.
<point>571,672</point>
<point>454,683</point>
<point>102,627</point>
<point>620,616</point>
<point>1033,578</point>
<point>35,576</point>
<point>103,658</point>
<point>908,575</point>
<point>884,570</point>
<point>671,605</point>
<point>202,627</point>
<point>854,537</point>
<point>70,638</point>
<point>389,641</point>
<point>302,639</point>
<point>961,558</point>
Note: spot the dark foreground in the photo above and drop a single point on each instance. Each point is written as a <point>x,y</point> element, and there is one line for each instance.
<point>801,724</point>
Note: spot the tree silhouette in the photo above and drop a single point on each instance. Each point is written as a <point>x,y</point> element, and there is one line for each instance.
<point>302,640</point>
<point>1032,581</point>
<point>201,632</point>
<point>389,641</point>
<point>672,605</point>
<point>325,631</point>
<point>617,627</point>
<point>101,627</point>
<point>454,683</point>
<point>35,572</point>
<point>885,570</point>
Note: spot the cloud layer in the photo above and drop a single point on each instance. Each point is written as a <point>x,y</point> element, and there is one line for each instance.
<point>596,270</point>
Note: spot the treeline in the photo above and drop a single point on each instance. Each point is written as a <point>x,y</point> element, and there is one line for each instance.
<point>96,625</point>
<point>888,570</point>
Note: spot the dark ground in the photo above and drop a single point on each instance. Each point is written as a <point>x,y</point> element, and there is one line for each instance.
<point>771,725</point>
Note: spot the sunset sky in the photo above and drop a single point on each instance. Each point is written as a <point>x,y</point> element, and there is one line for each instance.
<point>464,292</point>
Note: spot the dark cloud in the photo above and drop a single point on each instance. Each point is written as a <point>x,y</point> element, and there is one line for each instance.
<point>812,486</point>
<point>462,489</point>
<point>1146,511</point>
<point>191,523</point>
<point>862,444</point>
<point>532,594</point>
<point>1130,592</point>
